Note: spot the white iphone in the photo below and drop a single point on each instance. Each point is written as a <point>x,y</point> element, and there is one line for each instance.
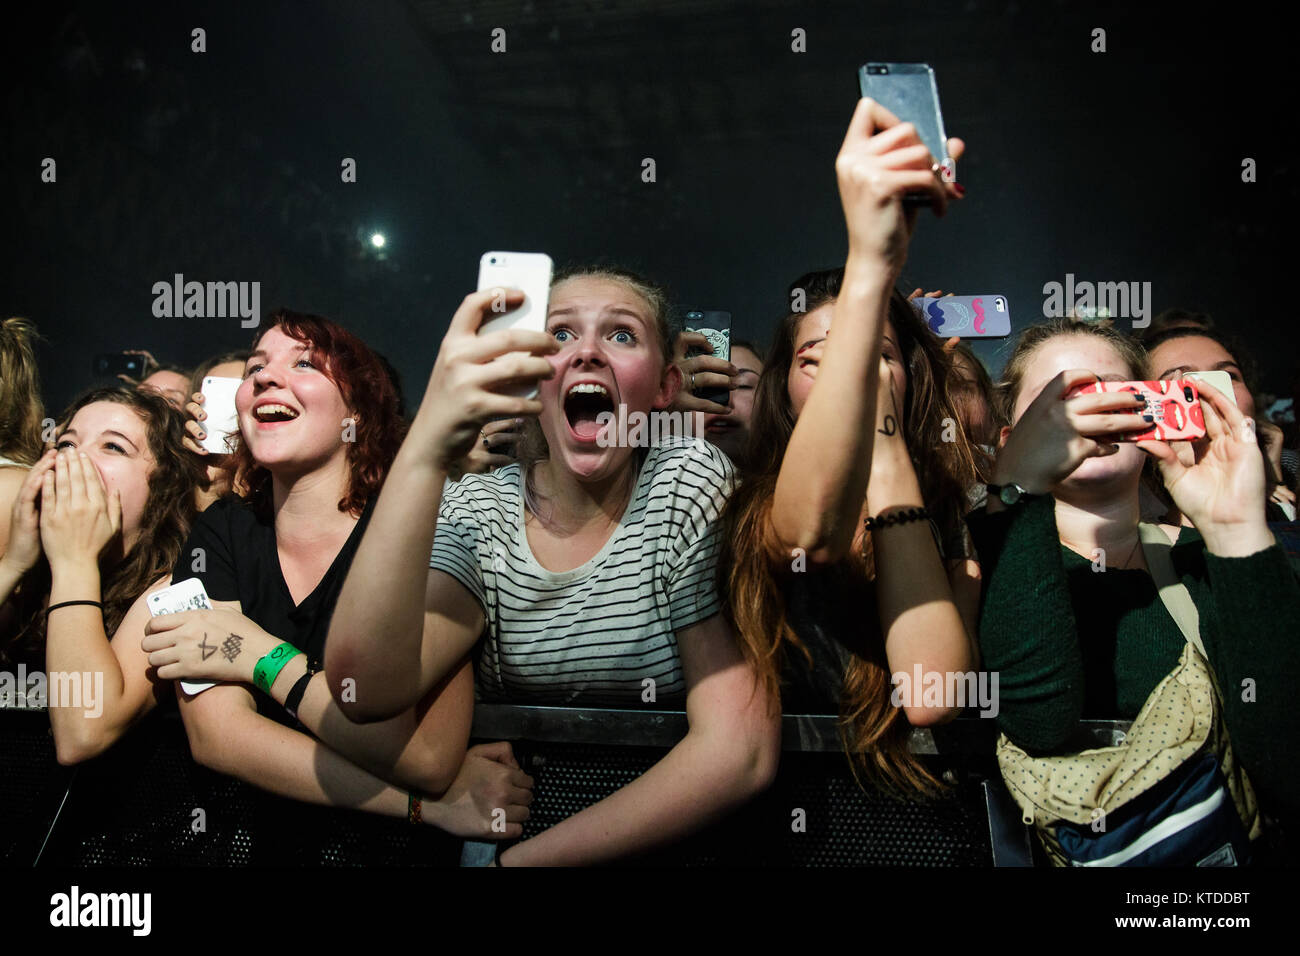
<point>222,423</point>
<point>529,271</point>
<point>187,595</point>
<point>1219,379</point>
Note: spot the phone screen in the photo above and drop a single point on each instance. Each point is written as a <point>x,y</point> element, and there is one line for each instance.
<point>909,91</point>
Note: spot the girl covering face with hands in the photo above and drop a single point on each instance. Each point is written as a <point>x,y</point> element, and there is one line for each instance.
<point>99,519</point>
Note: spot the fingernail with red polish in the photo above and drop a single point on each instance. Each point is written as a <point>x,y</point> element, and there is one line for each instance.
<point>961,190</point>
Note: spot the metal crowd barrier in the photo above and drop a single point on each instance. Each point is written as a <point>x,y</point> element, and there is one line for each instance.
<point>147,803</point>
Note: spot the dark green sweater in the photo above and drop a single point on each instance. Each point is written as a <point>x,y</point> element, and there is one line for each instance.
<point>1070,643</point>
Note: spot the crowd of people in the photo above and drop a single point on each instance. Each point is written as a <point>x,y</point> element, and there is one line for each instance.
<point>851,514</point>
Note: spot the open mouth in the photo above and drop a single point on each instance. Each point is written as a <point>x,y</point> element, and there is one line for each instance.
<point>582,406</point>
<point>272,412</point>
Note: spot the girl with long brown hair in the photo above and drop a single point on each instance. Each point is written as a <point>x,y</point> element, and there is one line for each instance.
<point>834,577</point>
<point>99,521</point>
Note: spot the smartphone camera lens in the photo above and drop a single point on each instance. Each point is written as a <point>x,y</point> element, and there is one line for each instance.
<point>1189,394</point>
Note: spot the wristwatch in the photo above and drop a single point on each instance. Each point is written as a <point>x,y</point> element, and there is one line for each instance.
<point>1009,493</point>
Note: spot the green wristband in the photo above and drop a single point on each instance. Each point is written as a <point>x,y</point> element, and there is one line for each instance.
<point>269,667</point>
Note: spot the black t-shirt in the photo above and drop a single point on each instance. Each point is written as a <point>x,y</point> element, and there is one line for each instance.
<point>831,610</point>
<point>237,560</point>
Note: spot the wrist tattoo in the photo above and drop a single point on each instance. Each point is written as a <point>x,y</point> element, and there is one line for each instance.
<point>891,421</point>
<point>207,649</point>
<point>231,646</point>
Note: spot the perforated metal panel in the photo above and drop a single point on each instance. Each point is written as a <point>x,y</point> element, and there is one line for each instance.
<point>135,806</point>
<point>841,825</point>
<point>31,784</point>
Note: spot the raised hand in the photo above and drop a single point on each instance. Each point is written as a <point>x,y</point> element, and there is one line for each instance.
<point>1056,433</point>
<point>195,432</point>
<point>700,371</point>
<point>1223,490</point>
<point>78,517</point>
<point>465,387</point>
<point>498,446</point>
<point>24,548</point>
<point>880,161</point>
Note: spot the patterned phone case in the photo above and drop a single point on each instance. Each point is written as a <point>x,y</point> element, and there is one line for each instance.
<point>967,316</point>
<point>1175,405</point>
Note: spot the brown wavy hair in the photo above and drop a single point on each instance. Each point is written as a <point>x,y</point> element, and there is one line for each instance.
<point>365,384</point>
<point>165,523</point>
<point>21,411</point>
<point>754,571</point>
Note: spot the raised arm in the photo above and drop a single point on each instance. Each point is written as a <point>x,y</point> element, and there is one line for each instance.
<point>918,614</point>
<point>1250,633</point>
<point>22,542</point>
<point>827,464</point>
<point>377,636</point>
<point>729,754</point>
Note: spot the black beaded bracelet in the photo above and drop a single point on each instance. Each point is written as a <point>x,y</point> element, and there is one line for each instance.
<point>897,517</point>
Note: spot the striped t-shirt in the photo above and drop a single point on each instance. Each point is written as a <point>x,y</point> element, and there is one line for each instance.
<point>593,634</point>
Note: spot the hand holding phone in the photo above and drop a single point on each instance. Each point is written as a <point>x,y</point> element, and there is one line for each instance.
<point>529,272</point>
<point>966,316</point>
<point>879,164</point>
<point>187,595</point>
<point>909,91</point>
<point>1222,490</point>
<point>482,372</point>
<point>715,327</point>
<point>1172,408</point>
<point>221,421</point>
<point>1062,428</point>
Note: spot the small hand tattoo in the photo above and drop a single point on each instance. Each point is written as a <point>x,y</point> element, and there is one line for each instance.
<point>207,649</point>
<point>230,647</point>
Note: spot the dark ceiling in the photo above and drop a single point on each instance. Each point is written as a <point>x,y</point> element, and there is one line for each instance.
<point>224,165</point>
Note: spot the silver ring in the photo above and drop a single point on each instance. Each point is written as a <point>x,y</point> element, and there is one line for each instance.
<point>692,381</point>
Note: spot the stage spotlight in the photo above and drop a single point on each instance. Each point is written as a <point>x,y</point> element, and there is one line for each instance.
<point>377,240</point>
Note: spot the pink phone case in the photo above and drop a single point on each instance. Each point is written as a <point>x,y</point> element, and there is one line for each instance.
<point>1174,404</point>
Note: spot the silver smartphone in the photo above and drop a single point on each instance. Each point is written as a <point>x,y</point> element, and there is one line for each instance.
<point>909,91</point>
